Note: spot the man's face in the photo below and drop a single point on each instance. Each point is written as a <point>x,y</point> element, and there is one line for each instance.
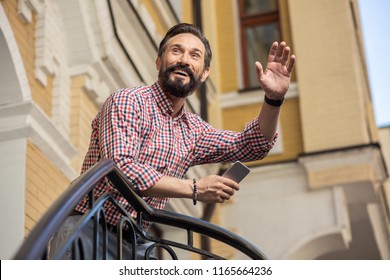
<point>181,67</point>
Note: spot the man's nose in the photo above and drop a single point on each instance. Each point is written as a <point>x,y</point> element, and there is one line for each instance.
<point>184,59</point>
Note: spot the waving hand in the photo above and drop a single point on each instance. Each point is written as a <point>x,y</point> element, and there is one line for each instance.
<point>275,79</point>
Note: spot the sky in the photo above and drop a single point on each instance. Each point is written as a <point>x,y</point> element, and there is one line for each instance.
<point>375,23</point>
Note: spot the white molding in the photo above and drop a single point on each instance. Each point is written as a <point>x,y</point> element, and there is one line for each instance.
<point>375,214</point>
<point>166,15</point>
<point>236,27</point>
<point>141,50</point>
<point>368,156</point>
<point>51,59</point>
<point>235,99</point>
<point>49,45</point>
<point>114,59</point>
<point>22,91</point>
<point>26,8</point>
<point>26,120</point>
<point>96,87</point>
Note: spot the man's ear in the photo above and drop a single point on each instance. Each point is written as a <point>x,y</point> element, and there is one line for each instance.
<point>205,74</point>
<point>158,63</point>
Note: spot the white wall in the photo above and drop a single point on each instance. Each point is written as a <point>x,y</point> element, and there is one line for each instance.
<point>275,210</point>
<point>12,195</point>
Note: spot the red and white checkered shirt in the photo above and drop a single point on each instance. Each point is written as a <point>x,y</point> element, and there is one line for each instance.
<point>135,128</point>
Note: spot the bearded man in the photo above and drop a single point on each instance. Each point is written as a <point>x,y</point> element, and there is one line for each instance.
<point>154,140</point>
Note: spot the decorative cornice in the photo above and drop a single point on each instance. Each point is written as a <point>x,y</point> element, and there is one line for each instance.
<point>96,87</point>
<point>26,8</point>
<point>344,166</point>
<point>26,120</point>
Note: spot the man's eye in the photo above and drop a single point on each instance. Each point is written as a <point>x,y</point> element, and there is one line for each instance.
<point>195,55</point>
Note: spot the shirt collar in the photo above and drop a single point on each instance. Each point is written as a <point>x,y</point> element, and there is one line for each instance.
<point>165,105</point>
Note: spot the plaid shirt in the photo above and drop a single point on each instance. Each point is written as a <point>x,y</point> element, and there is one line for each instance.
<point>136,129</point>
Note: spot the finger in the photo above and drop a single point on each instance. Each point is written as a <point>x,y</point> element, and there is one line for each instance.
<point>259,69</point>
<point>225,196</point>
<point>286,54</point>
<point>291,63</point>
<point>280,51</point>
<point>273,51</point>
<point>229,191</point>
<point>231,184</point>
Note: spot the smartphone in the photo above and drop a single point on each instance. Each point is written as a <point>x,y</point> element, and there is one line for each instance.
<point>236,172</point>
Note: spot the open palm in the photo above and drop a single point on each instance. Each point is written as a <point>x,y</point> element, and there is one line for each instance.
<point>275,79</point>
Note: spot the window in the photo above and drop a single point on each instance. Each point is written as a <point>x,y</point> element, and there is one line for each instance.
<point>259,28</point>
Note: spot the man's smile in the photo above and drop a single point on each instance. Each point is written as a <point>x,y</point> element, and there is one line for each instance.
<point>181,73</point>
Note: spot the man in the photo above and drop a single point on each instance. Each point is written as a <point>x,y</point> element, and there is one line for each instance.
<point>151,137</point>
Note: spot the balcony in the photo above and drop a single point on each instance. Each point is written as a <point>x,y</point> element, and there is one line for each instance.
<point>144,244</point>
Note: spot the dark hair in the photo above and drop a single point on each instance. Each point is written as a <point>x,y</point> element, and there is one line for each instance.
<point>186,28</point>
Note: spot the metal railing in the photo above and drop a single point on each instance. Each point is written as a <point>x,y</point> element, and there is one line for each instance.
<point>143,244</point>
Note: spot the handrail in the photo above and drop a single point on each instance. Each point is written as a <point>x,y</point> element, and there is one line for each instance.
<point>182,221</point>
<point>36,243</point>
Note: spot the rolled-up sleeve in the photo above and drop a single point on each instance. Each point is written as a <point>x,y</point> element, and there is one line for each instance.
<point>215,145</point>
<point>257,141</point>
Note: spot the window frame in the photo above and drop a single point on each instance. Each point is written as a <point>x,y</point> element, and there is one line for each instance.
<point>253,20</point>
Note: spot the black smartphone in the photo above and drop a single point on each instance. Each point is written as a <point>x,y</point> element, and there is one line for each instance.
<point>236,172</point>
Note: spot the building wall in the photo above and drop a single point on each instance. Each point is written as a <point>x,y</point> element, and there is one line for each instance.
<point>72,61</point>
<point>290,129</point>
<point>226,76</point>
<point>328,110</point>
<point>44,181</point>
<point>332,88</point>
<point>323,174</point>
<point>225,65</point>
<point>84,109</point>
<point>44,184</point>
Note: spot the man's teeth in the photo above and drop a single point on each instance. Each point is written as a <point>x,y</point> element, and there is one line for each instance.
<point>181,73</point>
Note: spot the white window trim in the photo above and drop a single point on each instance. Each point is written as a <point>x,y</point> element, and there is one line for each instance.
<point>235,99</point>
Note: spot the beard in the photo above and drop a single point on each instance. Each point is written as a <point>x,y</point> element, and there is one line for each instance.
<point>176,87</point>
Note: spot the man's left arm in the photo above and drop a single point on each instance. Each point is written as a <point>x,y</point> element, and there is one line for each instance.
<point>274,80</point>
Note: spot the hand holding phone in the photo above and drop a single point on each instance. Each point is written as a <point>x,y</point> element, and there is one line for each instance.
<point>237,172</point>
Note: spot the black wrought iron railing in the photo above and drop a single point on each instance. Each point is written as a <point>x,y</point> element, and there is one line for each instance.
<point>143,244</point>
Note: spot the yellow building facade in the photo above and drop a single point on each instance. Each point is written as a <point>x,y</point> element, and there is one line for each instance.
<point>322,193</point>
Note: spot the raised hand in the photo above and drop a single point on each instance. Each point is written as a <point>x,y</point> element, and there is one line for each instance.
<point>275,79</point>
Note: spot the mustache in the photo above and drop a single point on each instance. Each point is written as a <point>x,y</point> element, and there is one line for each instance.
<point>180,67</point>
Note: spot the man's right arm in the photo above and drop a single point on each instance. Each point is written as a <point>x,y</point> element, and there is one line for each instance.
<point>210,189</point>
